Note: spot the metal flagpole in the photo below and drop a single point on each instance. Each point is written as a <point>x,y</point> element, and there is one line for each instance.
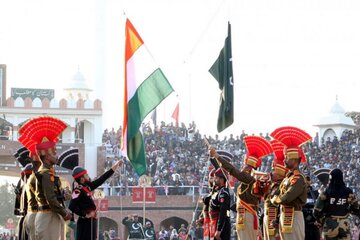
<point>144,203</point>
<point>121,203</point>
<point>98,225</point>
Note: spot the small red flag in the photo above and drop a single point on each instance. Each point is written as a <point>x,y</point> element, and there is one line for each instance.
<point>175,115</point>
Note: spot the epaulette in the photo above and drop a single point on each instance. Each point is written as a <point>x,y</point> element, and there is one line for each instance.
<point>224,190</point>
<point>297,172</point>
<point>297,175</point>
<point>76,193</point>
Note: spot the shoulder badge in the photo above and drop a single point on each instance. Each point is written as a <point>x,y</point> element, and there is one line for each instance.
<point>294,180</point>
<point>75,193</point>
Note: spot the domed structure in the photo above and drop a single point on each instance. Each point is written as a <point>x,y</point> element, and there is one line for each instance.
<point>335,123</point>
<point>78,88</point>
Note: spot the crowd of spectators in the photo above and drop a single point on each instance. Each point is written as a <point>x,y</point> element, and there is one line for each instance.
<point>7,236</point>
<point>177,156</point>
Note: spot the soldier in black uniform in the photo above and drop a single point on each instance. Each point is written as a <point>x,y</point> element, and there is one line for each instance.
<point>21,200</point>
<point>312,231</point>
<point>333,207</point>
<point>219,208</point>
<point>204,218</point>
<point>82,203</point>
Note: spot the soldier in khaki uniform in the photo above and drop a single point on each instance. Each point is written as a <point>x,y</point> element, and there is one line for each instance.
<point>293,191</point>
<point>42,133</point>
<point>247,223</point>
<point>333,206</point>
<point>278,172</point>
<point>29,222</point>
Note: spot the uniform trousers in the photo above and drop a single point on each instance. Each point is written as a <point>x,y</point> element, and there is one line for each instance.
<point>86,229</point>
<point>248,233</point>
<point>22,233</point>
<point>336,228</point>
<point>266,229</point>
<point>298,229</point>
<point>29,225</point>
<point>49,225</point>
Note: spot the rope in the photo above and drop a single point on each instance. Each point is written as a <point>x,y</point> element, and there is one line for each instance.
<point>204,32</point>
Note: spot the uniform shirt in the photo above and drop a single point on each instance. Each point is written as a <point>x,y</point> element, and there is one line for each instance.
<point>220,202</point>
<point>30,192</point>
<point>21,200</point>
<point>293,191</point>
<point>206,202</point>
<point>312,195</point>
<point>244,191</point>
<point>82,201</point>
<point>274,187</point>
<point>339,203</point>
<point>46,190</point>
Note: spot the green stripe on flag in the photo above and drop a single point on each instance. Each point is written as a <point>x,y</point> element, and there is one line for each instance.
<point>136,153</point>
<point>148,95</point>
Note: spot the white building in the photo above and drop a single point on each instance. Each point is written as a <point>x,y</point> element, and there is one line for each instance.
<point>335,123</point>
<point>78,88</point>
<point>82,115</point>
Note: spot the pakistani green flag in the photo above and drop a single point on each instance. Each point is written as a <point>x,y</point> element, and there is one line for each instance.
<point>222,71</point>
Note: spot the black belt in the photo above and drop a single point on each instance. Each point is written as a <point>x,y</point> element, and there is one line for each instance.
<point>34,208</point>
<point>45,207</point>
<point>214,214</point>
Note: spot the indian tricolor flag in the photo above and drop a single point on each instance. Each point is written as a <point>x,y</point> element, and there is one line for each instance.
<point>145,88</point>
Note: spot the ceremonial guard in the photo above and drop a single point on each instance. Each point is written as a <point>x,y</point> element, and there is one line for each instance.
<point>278,172</point>
<point>42,134</point>
<point>204,219</point>
<point>312,231</point>
<point>249,191</point>
<point>24,156</point>
<point>219,208</point>
<point>333,206</point>
<point>293,193</point>
<point>82,202</point>
<point>21,200</point>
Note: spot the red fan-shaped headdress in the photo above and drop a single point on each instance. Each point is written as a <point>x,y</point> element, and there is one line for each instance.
<point>41,133</point>
<point>257,148</point>
<point>278,164</point>
<point>293,138</point>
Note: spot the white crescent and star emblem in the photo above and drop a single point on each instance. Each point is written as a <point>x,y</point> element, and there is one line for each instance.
<point>146,234</point>
<point>137,226</point>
